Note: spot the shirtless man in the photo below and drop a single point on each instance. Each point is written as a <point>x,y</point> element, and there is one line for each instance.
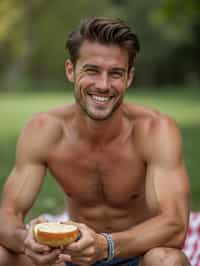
<point>120,164</point>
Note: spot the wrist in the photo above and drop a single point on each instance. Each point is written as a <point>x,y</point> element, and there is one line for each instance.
<point>103,244</point>
<point>110,247</point>
<point>20,237</point>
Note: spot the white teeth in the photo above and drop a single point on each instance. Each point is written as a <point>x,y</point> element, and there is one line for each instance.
<point>100,98</point>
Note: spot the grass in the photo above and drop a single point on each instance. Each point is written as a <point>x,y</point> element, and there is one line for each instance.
<point>16,109</point>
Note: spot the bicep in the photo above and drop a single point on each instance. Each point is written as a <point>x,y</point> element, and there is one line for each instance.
<point>25,180</point>
<point>22,187</point>
<point>167,181</point>
<point>168,190</point>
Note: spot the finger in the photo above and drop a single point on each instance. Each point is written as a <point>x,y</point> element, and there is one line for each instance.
<point>76,260</point>
<point>64,258</point>
<point>30,243</point>
<point>42,258</point>
<point>87,252</point>
<point>84,242</point>
<point>35,246</point>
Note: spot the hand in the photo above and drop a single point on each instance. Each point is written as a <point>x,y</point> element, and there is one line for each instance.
<point>38,253</point>
<point>87,250</point>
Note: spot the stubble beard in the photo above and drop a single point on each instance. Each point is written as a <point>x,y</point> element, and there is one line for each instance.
<point>91,115</point>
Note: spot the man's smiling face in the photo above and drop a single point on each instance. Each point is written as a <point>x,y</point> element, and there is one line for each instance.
<point>100,78</point>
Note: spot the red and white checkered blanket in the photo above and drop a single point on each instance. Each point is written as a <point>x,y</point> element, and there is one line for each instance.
<point>192,244</point>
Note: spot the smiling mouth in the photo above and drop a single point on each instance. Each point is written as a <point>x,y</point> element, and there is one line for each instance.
<point>100,99</point>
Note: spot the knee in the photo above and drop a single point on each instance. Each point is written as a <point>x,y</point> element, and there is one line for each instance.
<point>165,257</point>
<point>5,257</point>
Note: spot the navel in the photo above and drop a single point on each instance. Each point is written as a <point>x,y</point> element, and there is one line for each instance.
<point>134,196</point>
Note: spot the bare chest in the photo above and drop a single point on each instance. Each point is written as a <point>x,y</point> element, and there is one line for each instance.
<point>112,175</point>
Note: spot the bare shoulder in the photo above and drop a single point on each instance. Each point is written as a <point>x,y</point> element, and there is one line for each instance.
<point>155,132</point>
<point>42,131</point>
<point>149,120</point>
<point>42,126</point>
<point>48,125</point>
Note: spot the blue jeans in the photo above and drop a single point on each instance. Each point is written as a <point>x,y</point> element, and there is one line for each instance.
<point>116,261</point>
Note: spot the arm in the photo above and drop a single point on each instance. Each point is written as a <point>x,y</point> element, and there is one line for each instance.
<point>167,193</point>
<point>23,184</point>
<point>18,197</point>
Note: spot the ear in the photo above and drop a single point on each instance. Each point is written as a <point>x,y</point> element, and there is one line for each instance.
<point>131,76</point>
<point>69,70</point>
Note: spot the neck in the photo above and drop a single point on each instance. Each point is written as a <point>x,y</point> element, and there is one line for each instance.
<point>99,131</point>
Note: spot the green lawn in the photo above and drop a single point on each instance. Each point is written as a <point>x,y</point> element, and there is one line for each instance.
<point>16,109</point>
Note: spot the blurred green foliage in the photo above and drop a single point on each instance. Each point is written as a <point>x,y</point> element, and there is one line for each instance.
<point>33,35</point>
<point>15,109</point>
<point>182,10</point>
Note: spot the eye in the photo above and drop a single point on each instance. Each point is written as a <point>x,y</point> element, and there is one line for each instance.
<point>91,71</point>
<point>116,74</point>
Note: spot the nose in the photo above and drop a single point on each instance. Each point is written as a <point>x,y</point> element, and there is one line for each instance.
<point>103,82</point>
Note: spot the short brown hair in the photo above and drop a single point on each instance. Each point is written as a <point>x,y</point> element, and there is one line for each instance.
<point>105,31</point>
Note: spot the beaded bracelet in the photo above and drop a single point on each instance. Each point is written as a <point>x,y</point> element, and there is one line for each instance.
<point>111,247</point>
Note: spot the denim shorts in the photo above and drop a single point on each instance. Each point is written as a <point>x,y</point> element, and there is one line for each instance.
<point>116,261</point>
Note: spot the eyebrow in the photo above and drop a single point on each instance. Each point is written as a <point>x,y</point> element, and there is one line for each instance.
<point>96,67</point>
<point>90,66</point>
<point>118,69</point>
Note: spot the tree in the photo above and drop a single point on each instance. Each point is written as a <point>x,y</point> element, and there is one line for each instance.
<point>180,21</point>
<point>33,33</point>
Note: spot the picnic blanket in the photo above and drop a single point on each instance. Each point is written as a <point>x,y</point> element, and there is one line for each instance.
<point>192,244</point>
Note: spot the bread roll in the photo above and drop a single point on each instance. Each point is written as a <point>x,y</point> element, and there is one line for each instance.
<point>55,234</point>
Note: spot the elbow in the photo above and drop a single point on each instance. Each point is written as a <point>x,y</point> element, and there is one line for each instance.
<point>179,240</point>
<point>12,234</point>
<point>178,234</point>
<point>11,215</point>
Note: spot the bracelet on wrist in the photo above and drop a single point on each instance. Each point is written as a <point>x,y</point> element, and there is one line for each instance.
<point>111,247</point>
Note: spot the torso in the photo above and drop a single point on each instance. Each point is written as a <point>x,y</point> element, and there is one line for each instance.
<point>105,185</point>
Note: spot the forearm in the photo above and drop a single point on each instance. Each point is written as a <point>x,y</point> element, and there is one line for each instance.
<point>155,232</point>
<point>12,233</point>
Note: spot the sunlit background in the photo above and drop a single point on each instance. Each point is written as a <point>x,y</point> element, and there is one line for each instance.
<point>32,78</point>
